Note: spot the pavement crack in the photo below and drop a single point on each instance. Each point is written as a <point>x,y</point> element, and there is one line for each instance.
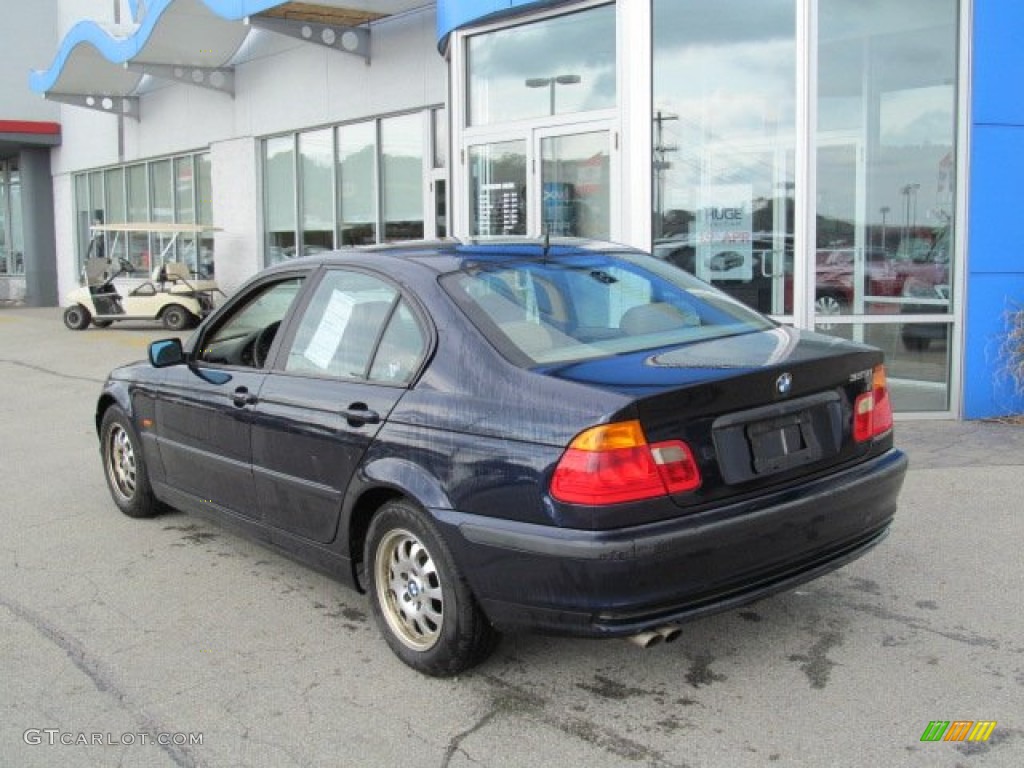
<point>50,371</point>
<point>101,678</point>
<point>456,741</point>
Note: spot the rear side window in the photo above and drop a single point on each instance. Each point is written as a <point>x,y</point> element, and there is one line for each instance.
<point>357,327</point>
<point>583,306</point>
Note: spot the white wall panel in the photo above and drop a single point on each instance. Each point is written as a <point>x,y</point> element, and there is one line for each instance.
<point>237,211</point>
<point>64,219</point>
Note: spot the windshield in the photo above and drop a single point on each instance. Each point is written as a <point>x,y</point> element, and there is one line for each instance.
<point>570,308</point>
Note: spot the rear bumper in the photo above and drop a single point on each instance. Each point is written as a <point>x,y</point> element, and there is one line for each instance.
<point>614,583</point>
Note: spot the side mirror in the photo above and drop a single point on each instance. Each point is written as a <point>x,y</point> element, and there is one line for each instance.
<point>165,353</point>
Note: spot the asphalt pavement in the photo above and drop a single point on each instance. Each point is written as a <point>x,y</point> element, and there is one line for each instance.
<point>173,642</point>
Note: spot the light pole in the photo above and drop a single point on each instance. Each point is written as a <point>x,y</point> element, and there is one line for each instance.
<point>884,210</point>
<point>909,192</point>
<point>550,83</point>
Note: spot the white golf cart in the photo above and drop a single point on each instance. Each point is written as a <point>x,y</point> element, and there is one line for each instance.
<point>173,294</point>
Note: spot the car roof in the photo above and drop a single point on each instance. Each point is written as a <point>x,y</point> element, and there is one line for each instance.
<point>451,255</point>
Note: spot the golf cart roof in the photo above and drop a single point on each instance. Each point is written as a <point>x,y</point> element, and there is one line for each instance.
<point>155,226</point>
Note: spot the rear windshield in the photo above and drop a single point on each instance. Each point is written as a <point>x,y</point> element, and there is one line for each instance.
<point>576,307</point>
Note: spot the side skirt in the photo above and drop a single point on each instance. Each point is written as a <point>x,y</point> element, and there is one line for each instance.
<point>319,557</point>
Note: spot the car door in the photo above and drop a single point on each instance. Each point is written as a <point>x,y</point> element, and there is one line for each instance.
<point>204,416</point>
<point>347,362</point>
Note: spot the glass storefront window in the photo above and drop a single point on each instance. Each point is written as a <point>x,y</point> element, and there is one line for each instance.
<point>550,67</point>
<point>885,170</point>
<point>6,259</point>
<point>279,191</point>
<point>83,217</point>
<point>204,203</point>
<point>401,149</point>
<point>16,255</point>
<point>439,121</point>
<point>723,131</point>
<point>357,182</point>
<point>497,189</point>
<point>169,190</point>
<point>316,166</point>
<point>917,359</point>
<point>161,195</point>
<point>138,211</point>
<point>12,236</point>
<point>115,208</point>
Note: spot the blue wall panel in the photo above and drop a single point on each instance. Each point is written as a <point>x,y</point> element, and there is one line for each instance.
<point>998,61</point>
<point>995,256</point>
<point>988,390</point>
<point>452,14</point>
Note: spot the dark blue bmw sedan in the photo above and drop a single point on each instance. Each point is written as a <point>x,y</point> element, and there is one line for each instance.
<point>569,437</point>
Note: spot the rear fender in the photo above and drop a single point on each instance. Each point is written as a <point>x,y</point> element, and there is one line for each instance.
<point>409,479</point>
<point>377,482</point>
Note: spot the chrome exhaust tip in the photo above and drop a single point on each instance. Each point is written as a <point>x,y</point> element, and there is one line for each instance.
<point>670,632</point>
<point>647,639</point>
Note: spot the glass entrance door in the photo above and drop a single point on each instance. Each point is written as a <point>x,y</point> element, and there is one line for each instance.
<point>573,186</point>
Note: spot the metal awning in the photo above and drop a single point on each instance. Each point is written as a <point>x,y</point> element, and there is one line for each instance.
<point>103,67</point>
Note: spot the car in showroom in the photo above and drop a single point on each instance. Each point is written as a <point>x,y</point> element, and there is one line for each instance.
<point>567,437</point>
<point>926,289</point>
<point>837,286</point>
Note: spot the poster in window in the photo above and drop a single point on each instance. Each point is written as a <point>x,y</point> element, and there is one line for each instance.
<point>724,227</point>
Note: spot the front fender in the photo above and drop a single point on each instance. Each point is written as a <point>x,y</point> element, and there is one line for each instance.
<point>79,296</point>
<point>114,393</point>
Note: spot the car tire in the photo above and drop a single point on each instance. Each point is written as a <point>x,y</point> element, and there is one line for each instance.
<point>419,599</point>
<point>103,323</point>
<point>77,317</point>
<point>124,465</point>
<point>176,318</point>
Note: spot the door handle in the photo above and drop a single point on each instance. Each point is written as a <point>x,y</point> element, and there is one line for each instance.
<point>359,414</point>
<point>243,397</point>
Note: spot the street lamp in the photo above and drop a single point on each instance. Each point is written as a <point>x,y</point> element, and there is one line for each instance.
<point>884,210</point>
<point>909,192</point>
<point>550,83</point>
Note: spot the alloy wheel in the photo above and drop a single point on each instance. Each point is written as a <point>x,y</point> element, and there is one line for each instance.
<point>121,465</point>
<point>409,590</point>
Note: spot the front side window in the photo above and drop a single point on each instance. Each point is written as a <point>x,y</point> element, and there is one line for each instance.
<point>245,336</point>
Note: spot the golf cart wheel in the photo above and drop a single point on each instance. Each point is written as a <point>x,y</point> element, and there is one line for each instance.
<point>419,598</point>
<point>176,318</point>
<point>103,323</point>
<point>77,317</point>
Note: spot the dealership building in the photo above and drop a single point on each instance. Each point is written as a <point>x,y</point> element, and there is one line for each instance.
<point>840,165</point>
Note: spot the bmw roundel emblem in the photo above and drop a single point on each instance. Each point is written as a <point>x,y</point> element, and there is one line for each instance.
<point>784,383</point>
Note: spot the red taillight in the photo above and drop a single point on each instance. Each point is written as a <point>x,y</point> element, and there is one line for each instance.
<point>613,464</point>
<point>872,411</point>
